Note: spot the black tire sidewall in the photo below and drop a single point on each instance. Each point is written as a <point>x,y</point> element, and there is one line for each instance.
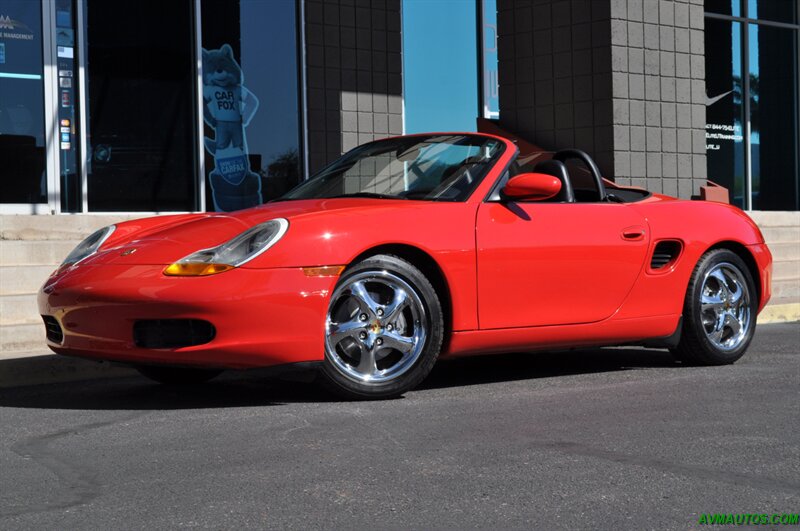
<point>349,388</point>
<point>710,353</point>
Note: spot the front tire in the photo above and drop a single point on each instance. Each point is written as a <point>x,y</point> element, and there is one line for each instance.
<point>383,331</point>
<point>719,311</point>
<point>177,375</point>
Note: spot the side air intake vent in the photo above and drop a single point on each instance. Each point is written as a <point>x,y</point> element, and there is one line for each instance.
<point>664,254</point>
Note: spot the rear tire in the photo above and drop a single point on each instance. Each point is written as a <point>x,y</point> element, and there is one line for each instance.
<point>719,311</point>
<point>384,329</point>
<point>177,375</point>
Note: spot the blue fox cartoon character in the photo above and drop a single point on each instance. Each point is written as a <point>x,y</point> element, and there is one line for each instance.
<point>228,109</point>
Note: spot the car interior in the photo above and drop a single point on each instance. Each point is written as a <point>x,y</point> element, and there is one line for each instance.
<point>580,178</point>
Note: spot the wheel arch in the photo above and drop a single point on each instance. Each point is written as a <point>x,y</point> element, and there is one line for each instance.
<point>429,267</point>
<point>747,257</point>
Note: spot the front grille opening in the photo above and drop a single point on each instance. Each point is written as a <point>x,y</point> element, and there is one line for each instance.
<point>53,329</point>
<point>172,333</point>
<point>664,254</point>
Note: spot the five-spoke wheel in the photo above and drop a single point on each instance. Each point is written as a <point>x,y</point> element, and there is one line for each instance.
<point>719,310</point>
<point>383,330</point>
<point>725,306</point>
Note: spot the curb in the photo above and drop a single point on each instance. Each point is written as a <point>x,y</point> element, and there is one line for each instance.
<point>780,313</point>
<point>36,368</point>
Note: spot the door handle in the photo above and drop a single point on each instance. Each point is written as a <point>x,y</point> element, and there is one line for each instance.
<point>633,234</point>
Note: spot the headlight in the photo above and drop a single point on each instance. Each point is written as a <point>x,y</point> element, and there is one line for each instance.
<point>232,253</point>
<point>89,246</point>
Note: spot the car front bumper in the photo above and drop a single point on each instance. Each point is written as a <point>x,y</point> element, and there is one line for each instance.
<point>261,317</point>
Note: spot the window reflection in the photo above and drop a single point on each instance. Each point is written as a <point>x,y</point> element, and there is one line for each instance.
<point>765,97</point>
<point>724,107</point>
<point>440,65</point>
<point>491,86</point>
<point>725,7</point>
<point>773,108</point>
<point>22,143</point>
<point>250,95</point>
<point>777,10</point>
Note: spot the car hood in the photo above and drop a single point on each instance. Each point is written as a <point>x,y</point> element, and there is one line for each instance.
<point>164,243</point>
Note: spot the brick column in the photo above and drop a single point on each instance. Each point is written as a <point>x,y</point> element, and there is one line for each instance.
<point>555,74</point>
<point>658,87</point>
<point>354,75</point>
<point>623,80</point>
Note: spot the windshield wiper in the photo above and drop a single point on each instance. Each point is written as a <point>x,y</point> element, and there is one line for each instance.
<point>368,194</point>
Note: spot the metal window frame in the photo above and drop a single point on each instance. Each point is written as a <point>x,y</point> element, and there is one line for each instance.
<point>83,134</point>
<point>745,22</point>
<point>479,6</point>
<point>300,15</point>
<point>402,71</point>
<point>51,102</point>
<point>200,192</point>
<point>748,143</point>
<point>797,114</point>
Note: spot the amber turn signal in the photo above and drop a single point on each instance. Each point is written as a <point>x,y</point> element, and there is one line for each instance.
<point>323,271</point>
<point>195,269</point>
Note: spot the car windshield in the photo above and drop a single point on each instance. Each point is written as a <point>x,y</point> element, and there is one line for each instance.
<point>433,168</point>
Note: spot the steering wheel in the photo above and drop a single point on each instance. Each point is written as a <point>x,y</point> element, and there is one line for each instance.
<point>566,154</point>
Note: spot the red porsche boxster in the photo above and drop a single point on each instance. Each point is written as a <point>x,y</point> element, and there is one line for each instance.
<point>408,249</point>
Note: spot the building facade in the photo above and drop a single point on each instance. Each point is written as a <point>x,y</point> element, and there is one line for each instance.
<point>212,105</point>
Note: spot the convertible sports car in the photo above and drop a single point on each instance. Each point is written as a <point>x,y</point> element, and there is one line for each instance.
<point>407,249</point>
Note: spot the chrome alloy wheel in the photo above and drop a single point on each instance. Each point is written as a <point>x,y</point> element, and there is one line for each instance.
<point>375,328</point>
<point>725,306</point>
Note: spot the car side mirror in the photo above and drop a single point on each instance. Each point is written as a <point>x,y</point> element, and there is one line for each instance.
<point>532,187</point>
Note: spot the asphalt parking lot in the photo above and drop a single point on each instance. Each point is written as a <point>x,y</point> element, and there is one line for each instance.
<point>608,439</point>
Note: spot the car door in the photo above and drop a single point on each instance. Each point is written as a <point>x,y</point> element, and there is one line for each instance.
<point>555,263</point>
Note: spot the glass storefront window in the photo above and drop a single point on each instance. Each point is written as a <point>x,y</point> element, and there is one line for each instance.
<point>777,10</point>
<point>250,96</point>
<point>725,7</point>
<point>148,116</point>
<point>490,83</point>
<point>752,140</point>
<point>23,176</point>
<point>440,69</point>
<point>773,112</point>
<point>725,107</point>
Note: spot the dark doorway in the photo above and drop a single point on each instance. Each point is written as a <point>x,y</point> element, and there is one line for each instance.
<point>142,98</point>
